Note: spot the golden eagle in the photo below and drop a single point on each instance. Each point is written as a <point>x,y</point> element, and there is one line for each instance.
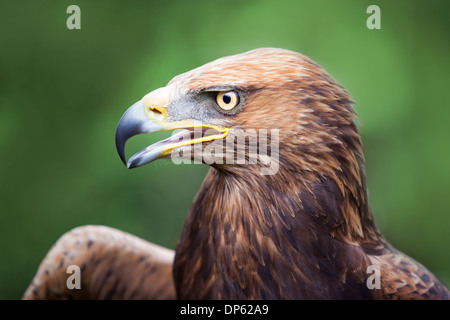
<point>283,213</point>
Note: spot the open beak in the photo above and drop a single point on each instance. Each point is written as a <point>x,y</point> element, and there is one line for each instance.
<point>150,115</point>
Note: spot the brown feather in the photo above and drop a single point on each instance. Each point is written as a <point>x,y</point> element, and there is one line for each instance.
<point>114,265</point>
<point>306,232</point>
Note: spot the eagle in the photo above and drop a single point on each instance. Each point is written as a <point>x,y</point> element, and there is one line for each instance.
<point>283,212</point>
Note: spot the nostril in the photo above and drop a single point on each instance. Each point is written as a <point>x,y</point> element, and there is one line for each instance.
<point>155,110</point>
<point>159,111</point>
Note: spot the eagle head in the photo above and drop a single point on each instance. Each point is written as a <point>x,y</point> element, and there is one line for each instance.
<point>250,111</point>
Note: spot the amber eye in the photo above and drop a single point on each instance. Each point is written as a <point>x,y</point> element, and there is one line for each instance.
<point>228,100</point>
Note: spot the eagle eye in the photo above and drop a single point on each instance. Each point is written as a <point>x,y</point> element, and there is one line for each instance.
<point>228,100</point>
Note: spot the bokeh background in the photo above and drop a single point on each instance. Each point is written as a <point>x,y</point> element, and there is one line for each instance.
<point>63,91</point>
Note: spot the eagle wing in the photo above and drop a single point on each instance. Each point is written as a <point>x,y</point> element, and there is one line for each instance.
<point>404,278</point>
<point>112,265</point>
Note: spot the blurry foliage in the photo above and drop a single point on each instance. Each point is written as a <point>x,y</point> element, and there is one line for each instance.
<point>63,91</point>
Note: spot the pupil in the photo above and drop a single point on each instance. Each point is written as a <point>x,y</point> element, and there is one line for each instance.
<point>226,98</point>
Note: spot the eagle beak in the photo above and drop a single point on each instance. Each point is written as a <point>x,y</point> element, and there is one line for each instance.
<point>150,115</point>
<point>133,122</point>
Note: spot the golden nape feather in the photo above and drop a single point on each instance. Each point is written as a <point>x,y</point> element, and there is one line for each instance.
<point>283,212</point>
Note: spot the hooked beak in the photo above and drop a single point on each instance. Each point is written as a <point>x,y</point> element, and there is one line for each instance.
<point>150,115</point>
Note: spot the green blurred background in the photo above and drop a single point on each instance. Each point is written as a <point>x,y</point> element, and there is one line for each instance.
<point>63,91</point>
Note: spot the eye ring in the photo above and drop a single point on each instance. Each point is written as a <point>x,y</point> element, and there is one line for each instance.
<point>228,100</point>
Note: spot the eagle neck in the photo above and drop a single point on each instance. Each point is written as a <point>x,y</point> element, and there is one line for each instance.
<point>247,237</point>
